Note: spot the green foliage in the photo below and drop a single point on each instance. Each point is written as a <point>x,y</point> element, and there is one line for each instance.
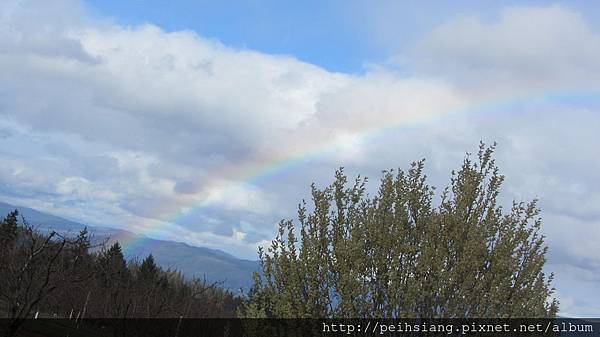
<point>397,255</point>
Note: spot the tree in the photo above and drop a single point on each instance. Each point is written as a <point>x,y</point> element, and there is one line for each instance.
<point>113,281</point>
<point>75,272</point>
<point>398,255</point>
<point>148,272</point>
<point>31,270</point>
<point>8,227</point>
<point>152,285</point>
<point>53,275</point>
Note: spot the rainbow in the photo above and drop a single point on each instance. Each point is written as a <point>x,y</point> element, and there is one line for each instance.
<point>259,171</point>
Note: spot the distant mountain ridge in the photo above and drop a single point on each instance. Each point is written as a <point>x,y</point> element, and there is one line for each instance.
<point>192,261</point>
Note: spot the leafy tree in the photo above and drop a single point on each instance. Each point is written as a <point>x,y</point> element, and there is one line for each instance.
<point>396,254</point>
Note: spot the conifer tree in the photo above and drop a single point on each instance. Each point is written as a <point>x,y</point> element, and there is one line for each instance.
<point>148,272</point>
<point>8,227</point>
<point>113,280</point>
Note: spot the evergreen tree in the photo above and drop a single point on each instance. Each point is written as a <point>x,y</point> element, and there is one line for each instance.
<point>113,267</point>
<point>8,227</point>
<point>148,272</point>
<point>398,255</point>
<point>113,280</point>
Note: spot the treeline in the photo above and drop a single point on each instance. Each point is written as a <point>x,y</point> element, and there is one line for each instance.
<point>52,275</point>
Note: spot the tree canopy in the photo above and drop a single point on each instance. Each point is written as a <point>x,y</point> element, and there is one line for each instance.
<point>400,254</point>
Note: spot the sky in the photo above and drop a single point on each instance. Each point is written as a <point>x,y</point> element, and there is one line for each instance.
<point>206,122</point>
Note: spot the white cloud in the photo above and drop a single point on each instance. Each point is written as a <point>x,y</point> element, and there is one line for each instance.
<point>525,49</point>
<point>174,113</point>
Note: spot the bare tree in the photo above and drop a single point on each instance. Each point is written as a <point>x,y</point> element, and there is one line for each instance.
<point>32,268</point>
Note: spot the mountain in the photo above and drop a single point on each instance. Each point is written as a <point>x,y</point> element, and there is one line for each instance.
<point>192,261</point>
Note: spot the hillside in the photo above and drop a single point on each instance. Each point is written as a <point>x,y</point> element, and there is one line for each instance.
<point>192,261</point>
